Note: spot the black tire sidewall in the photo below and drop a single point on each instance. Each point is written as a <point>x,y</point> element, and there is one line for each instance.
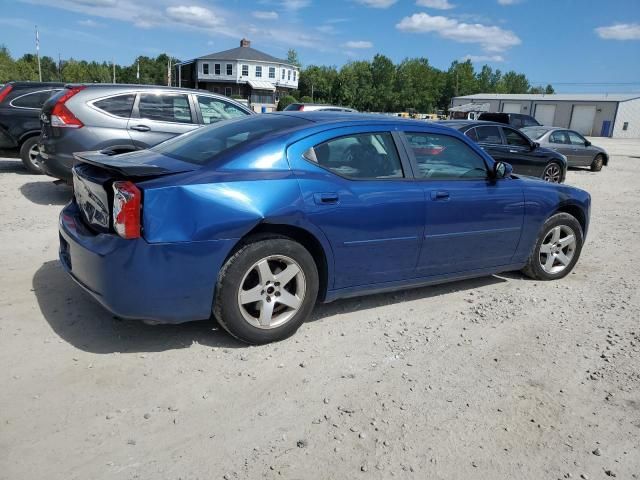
<point>597,163</point>
<point>226,308</point>
<point>554,221</point>
<point>24,155</point>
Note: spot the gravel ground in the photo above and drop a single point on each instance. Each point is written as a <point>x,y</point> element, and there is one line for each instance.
<point>495,378</point>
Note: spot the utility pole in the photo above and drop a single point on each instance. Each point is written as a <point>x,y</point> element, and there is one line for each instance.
<point>59,66</point>
<point>138,71</point>
<point>312,92</point>
<point>38,53</point>
<point>114,70</point>
<point>169,72</point>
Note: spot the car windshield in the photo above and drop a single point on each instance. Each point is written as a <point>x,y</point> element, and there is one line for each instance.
<point>204,144</point>
<point>534,132</point>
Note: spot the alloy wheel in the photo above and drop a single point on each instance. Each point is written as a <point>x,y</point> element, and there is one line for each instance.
<point>557,249</point>
<point>552,173</point>
<point>272,291</point>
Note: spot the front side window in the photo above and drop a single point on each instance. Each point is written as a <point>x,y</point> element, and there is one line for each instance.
<point>515,138</point>
<point>258,71</point>
<point>165,107</point>
<point>272,72</point>
<point>216,69</point>
<point>444,157</point>
<point>560,136</point>
<point>205,68</point>
<point>245,70</point>
<point>214,110</point>
<point>366,156</point>
<point>471,133</point>
<point>489,134</point>
<point>576,139</point>
<point>229,69</point>
<point>119,106</point>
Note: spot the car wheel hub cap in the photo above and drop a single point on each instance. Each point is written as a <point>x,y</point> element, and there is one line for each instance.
<point>558,249</point>
<point>552,174</point>
<point>271,292</point>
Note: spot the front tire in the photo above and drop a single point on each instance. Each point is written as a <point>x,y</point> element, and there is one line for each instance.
<point>28,155</point>
<point>597,163</point>
<point>266,290</point>
<point>552,172</point>
<point>557,248</point>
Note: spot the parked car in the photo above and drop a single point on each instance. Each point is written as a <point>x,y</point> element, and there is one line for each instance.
<point>257,218</point>
<point>122,118</point>
<point>315,107</point>
<point>516,120</point>
<point>20,104</point>
<point>506,144</point>
<point>578,150</point>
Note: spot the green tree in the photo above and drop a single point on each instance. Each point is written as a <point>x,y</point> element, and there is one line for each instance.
<point>7,66</point>
<point>383,73</point>
<point>285,102</point>
<point>513,82</point>
<point>293,59</point>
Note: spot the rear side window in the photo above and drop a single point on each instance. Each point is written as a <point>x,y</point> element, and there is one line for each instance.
<point>559,136</point>
<point>214,110</point>
<point>165,107</point>
<point>365,156</point>
<point>530,122</point>
<point>205,144</point>
<point>489,134</point>
<point>120,105</point>
<point>33,100</point>
<point>444,157</point>
<point>516,121</point>
<point>472,134</point>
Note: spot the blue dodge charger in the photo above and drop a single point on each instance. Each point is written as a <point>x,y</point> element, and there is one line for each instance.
<point>254,220</point>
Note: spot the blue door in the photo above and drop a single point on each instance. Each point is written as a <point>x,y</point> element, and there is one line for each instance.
<point>471,221</point>
<point>357,189</point>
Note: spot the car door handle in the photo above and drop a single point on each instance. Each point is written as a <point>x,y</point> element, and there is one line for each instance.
<point>140,128</point>
<point>325,198</point>
<point>439,195</point>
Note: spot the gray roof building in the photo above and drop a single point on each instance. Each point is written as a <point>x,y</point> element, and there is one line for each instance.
<point>593,114</point>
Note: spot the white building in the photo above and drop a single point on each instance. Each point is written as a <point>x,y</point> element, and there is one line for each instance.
<point>242,72</point>
<point>614,115</point>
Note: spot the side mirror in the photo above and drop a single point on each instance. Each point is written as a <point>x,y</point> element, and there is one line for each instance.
<point>587,143</point>
<point>534,145</point>
<point>501,170</point>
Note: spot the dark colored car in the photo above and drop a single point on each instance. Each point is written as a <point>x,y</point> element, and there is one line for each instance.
<point>516,120</point>
<point>506,144</point>
<point>255,219</point>
<point>20,105</point>
<point>579,151</point>
<point>123,118</point>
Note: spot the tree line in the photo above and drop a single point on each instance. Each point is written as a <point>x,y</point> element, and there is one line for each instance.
<point>378,85</point>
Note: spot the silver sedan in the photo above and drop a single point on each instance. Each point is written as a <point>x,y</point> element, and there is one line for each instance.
<point>578,150</point>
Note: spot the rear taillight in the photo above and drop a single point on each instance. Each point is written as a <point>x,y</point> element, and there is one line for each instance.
<point>126,209</point>
<point>61,116</point>
<point>5,91</point>
<point>301,108</point>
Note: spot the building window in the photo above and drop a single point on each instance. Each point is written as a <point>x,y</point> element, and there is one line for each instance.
<point>228,91</point>
<point>205,68</point>
<point>258,71</point>
<point>245,70</point>
<point>283,73</point>
<point>294,75</point>
<point>216,69</point>
<point>288,74</point>
<point>272,72</point>
<point>229,69</point>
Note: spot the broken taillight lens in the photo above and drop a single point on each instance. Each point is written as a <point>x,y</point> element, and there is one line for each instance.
<point>127,200</point>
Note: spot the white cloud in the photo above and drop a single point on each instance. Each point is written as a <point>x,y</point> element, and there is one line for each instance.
<point>265,15</point>
<point>377,3</point>
<point>508,2</point>
<point>358,44</point>
<point>294,4</point>
<point>620,31</point>
<point>483,58</point>
<point>89,23</point>
<point>437,4</point>
<point>193,16</point>
<point>491,38</point>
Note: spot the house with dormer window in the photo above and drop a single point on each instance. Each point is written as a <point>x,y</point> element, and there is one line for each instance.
<point>241,72</point>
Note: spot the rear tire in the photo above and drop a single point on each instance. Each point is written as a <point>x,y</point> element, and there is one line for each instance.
<point>28,155</point>
<point>266,290</point>
<point>557,248</point>
<point>597,163</point>
<point>552,172</point>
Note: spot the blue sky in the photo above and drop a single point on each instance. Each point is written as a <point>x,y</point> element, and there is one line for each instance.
<point>570,43</point>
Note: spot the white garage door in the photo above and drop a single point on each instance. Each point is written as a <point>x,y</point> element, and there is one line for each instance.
<point>511,107</point>
<point>582,119</point>
<point>545,114</point>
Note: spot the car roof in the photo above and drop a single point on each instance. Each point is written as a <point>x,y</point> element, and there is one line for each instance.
<point>460,124</point>
<point>128,86</point>
<point>327,117</point>
<point>25,84</point>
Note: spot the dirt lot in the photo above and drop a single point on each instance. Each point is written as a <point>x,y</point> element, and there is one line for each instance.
<point>495,378</point>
